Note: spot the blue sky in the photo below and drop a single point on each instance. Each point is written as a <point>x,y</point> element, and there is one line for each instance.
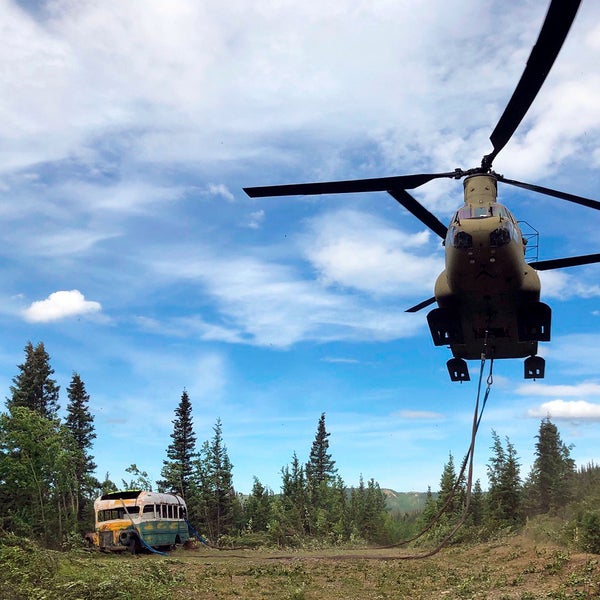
<point>128,131</point>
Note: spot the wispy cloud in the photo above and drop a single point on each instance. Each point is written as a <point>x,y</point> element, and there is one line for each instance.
<point>360,251</point>
<point>419,415</point>
<point>584,389</point>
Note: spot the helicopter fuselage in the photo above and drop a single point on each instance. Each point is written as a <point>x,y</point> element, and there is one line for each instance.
<point>488,297</point>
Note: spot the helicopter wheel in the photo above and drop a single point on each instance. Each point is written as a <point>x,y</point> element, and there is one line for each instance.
<point>458,370</point>
<point>534,322</point>
<point>535,367</point>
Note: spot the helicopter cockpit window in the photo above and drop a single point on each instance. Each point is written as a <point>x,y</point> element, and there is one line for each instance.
<point>479,212</point>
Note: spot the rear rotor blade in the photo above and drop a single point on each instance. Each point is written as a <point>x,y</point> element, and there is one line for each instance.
<point>549,192</point>
<point>421,305</point>
<point>419,211</point>
<point>377,184</point>
<point>560,263</point>
<point>559,18</point>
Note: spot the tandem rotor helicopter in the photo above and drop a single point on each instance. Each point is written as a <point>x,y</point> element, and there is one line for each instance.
<point>488,296</point>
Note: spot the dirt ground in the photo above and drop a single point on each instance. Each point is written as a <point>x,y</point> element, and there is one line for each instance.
<point>516,568</point>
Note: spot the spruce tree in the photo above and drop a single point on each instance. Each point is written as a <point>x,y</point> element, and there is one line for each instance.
<point>504,497</point>
<point>294,493</point>
<point>178,470</point>
<point>320,473</point>
<point>214,475</point>
<point>34,387</point>
<point>257,509</point>
<point>549,483</point>
<point>320,467</point>
<point>80,423</point>
<point>450,494</point>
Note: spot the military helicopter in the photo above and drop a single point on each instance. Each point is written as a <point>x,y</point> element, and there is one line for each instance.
<point>488,296</point>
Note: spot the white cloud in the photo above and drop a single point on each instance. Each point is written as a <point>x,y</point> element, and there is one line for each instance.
<point>558,284</point>
<point>568,410</point>
<point>358,250</point>
<point>60,305</point>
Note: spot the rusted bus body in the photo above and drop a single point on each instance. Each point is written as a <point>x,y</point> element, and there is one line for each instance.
<point>126,520</point>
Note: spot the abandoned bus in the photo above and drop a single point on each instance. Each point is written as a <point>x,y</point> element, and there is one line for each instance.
<point>131,519</point>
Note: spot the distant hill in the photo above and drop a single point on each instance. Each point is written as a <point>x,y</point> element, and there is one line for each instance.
<point>404,501</point>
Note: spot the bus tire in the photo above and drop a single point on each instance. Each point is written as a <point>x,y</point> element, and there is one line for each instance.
<point>133,544</point>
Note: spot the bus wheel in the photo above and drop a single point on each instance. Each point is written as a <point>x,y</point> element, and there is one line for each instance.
<point>132,546</point>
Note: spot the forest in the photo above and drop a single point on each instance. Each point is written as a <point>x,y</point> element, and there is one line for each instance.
<point>48,483</point>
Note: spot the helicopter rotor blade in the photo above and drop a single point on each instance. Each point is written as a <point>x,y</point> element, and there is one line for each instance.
<point>418,210</point>
<point>377,184</point>
<point>421,305</point>
<point>560,263</point>
<point>559,19</point>
<point>550,192</point>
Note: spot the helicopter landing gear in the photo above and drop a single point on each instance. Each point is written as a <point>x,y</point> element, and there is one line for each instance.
<point>534,321</point>
<point>458,370</point>
<point>535,367</point>
<point>445,327</point>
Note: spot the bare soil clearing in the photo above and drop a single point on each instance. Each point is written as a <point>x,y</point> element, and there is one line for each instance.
<point>513,569</point>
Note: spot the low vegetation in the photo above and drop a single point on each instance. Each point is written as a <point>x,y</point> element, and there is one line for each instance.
<point>530,565</point>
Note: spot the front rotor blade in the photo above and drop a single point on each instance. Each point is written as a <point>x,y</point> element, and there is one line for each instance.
<point>377,184</point>
<point>560,263</point>
<point>419,211</point>
<point>421,305</point>
<point>549,192</point>
<point>559,18</point>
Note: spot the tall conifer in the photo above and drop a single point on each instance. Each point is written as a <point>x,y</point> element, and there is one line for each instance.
<point>320,467</point>
<point>34,387</point>
<point>80,423</point>
<point>548,486</point>
<point>178,469</point>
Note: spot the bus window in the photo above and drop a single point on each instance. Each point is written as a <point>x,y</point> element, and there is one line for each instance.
<point>170,511</point>
<point>110,514</point>
<point>164,511</point>
<point>149,511</point>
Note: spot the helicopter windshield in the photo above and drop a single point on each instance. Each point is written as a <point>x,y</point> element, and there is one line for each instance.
<point>480,212</point>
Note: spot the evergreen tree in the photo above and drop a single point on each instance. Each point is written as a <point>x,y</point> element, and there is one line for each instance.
<point>257,508</point>
<point>34,387</point>
<point>430,509</point>
<point>476,507</point>
<point>320,467</point>
<point>375,513</point>
<point>451,492</point>
<point>217,499</point>
<point>320,473</point>
<point>504,497</point>
<point>178,470</point>
<point>294,492</point>
<point>549,483</point>
<point>80,423</point>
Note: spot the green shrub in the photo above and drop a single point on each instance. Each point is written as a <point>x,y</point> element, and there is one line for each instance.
<point>589,532</point>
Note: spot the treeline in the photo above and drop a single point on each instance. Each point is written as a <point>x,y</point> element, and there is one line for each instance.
<point>553,488</point>
<point>314,503</point>
<point>48,482</point>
